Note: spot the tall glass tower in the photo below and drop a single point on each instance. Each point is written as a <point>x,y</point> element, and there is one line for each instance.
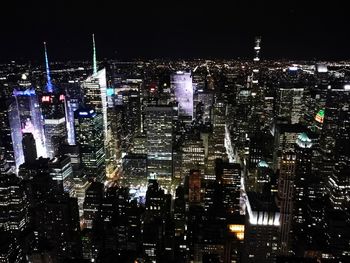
<point>89,137</point>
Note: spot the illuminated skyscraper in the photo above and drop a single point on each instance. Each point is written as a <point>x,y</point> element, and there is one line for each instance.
<point>13,200</point>
<point>61,173</point>
<point>53,110</point>
<point>193,156</point>
<point>92,203</point>
<point>135,169</point>
<point>95,90</point>
<point>229,175</point>
<point>290,104</point>
<point>25,116</point>
<point>286,192</point>
<point>159,141</point>
<point>335,142</point>
<point>216,149</point>
<point>73,99</point>
<point>6,145</point>
<point>262,229</point>
<point>257,49</point>
<point>89,137</point>
<point>181,83</point>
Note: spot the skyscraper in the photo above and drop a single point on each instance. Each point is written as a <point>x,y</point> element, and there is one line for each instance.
<point>29,148</point>
<point>159,130</point>
<point>6,144</point>
<point>181,83</point>
<point>61,173</point>
<point>25,116</point>
<point>53,110</point>
<point>289,104</point>
<point>262,231</point>
<point>257,49</point>
<point>89,137</point>
<point>229,175</point>
<point>14,215</point>
<point>286,192</point>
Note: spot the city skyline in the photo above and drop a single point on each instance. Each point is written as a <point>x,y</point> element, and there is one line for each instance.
<point>174,132</point>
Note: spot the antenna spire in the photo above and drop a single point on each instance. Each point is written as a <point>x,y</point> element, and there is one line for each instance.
<point>94,55</point>
<point>49,86</point>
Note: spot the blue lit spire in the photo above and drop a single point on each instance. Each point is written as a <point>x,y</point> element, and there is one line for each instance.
<point>94,55</point>
<point>49,86</point>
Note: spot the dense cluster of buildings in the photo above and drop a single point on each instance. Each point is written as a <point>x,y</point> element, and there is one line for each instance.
<point>175,161</point>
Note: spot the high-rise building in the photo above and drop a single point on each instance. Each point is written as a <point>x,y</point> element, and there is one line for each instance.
<point>62,173</point>
<point>304,177</point>
<point>135,169</point>
<point>290,104</point>
<point>216,149</point>
<point>89,137</point>
<point>56,223</point>
<point>334,144</point>
<point>73,99</point>
<point>203,104</point>
<point>229,175</point>
<point>159,130</point>
<point>286,193</point>
<point>6,144</point>
<point>10,249</point>
<point>193,157</point>
<point>14,215</point>
<point>181,83</point>
<point>25,116</point>
<point>95,90</point>
<point>29,148</point>
<point>194,187</point>
<point>92,203</point>
<point>285,136</point>
<point>262,228</point>
<point>54,111</point>
<point>257,49</point>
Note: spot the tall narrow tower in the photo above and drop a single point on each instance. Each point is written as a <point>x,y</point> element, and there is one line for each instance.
<point>94,55</point>
<point>49,87</point>
<point>257,49</point>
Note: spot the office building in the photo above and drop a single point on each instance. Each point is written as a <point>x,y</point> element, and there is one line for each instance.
<point>89,137</point>
<point>181,84</point>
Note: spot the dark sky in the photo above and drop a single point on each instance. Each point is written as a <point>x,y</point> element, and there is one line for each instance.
<point>296,29</point>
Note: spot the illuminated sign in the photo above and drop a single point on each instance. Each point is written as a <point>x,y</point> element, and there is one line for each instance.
<point>238,230</point>
<point>27,92</point>
<point>83,113</point>
<point>61,97</point>
<point>46,99</point>
<point>320,116</point>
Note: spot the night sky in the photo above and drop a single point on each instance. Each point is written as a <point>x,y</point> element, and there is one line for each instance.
<point>175,29</point>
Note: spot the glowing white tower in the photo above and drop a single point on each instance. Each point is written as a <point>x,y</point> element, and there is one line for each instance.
<point>181,83</point>
<point>257,48</point>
